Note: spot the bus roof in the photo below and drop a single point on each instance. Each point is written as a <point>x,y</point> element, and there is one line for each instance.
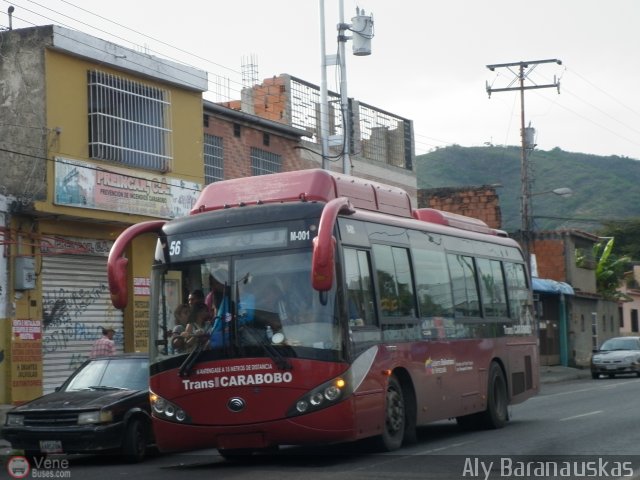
<point>306,185</point>
<point>323,186</point>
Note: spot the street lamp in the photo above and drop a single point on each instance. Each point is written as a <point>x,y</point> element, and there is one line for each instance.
<point>561,191</point>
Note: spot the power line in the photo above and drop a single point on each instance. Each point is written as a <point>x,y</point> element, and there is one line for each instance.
<point>520,76</point>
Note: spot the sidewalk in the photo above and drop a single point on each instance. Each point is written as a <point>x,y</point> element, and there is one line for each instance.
<point>557,373</point>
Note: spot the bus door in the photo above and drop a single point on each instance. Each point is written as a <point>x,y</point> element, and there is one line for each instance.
<point>429,362</point>
<point>438,331</point>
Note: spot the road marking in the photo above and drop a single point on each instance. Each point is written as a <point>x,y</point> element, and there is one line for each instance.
<point>582,415</point>
<point>440,449</point>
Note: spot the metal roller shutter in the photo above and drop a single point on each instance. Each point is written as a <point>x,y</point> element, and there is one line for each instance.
<point>76,305</point>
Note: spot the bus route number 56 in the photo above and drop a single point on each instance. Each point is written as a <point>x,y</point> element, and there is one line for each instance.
<point>174,248</point>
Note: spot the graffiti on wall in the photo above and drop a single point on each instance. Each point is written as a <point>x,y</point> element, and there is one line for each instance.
<point>63,311</point>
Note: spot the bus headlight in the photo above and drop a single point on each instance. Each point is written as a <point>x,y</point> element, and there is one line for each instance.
<point>337,389</point>
<point>332,393</point>
<point>166,410</point>
<point>323,396</point>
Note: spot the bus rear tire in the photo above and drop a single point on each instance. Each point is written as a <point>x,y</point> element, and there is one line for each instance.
<point>395,418</point>
<point>496,414</point>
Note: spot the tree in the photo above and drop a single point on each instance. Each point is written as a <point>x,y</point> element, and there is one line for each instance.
<point>627,235</point>
<point>610,271</point>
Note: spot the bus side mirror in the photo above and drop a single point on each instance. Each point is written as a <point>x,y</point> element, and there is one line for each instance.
<point>322,264</point>
<point>117,263</point>
<point>117,276</point>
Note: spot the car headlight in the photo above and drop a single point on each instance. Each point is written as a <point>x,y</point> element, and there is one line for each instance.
<point>14,420</point>
<point>95,416</point>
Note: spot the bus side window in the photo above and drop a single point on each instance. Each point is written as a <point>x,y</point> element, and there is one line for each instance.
<point>465,288</point>
<point>359,290</point>
<point>518,293</point>
<point>395,282</point>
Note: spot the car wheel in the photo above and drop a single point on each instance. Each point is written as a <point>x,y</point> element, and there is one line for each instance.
<point>395,420</point>
<point>136,439</point>
<point>595,375</point>
<point>612,375</point>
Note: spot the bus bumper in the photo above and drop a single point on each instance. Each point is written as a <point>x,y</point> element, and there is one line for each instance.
<point>332,425</point>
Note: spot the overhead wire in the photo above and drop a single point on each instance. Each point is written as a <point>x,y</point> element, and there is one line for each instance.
<point>425,144</point>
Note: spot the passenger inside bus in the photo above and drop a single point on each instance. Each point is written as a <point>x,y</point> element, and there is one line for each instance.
<point>181,314</point>
<point>198,326</point>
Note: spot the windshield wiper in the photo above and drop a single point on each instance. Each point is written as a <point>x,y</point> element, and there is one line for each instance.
<point>187,365</point>
<point>274,354</point>
<point>105,387</point>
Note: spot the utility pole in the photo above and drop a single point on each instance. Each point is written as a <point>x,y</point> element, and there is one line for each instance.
<point>362,29</point>
<point>521,74</point>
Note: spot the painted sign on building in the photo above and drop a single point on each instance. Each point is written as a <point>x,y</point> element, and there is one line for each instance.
<point>87,185</point>
<point>26,359</point>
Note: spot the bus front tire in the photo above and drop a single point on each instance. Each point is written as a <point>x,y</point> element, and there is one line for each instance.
<point>395,420</point>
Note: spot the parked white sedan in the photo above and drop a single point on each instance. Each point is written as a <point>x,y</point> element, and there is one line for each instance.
<point>616,355</point>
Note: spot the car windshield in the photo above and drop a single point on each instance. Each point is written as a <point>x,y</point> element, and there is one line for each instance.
<point>110,373</point>
<point>620,344</point>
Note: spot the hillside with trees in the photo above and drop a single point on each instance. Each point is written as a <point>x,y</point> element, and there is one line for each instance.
<point>605,189</point>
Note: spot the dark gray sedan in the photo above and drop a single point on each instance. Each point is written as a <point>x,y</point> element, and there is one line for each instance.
<point>617,355</point>
<point>102,407</point>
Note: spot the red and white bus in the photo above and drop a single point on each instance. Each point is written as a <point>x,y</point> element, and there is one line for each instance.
<point>343,314</point>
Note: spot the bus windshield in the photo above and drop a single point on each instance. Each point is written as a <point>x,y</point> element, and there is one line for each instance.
<point>256,305</point>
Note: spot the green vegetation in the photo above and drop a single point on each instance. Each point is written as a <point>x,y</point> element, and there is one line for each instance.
<point>610,271</point>
<point>605,189</point>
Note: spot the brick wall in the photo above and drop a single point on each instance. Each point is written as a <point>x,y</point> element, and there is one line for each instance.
<point>237,161</point>
<point>550,259</point>
<point>477,202</point>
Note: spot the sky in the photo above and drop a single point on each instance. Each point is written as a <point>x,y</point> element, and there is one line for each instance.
<point>428,59</point>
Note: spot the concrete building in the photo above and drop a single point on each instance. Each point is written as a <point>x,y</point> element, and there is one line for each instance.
<point>568,336</point>
<point>93,137</point>
<point>629,318</point>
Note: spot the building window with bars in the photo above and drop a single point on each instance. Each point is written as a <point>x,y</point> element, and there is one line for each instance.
<point>263,162</point>
<point>129,122</point>
<point>213,159</point>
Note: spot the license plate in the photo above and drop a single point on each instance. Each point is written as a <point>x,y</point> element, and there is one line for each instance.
<point>612,367</point>
<point>50,446</point>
